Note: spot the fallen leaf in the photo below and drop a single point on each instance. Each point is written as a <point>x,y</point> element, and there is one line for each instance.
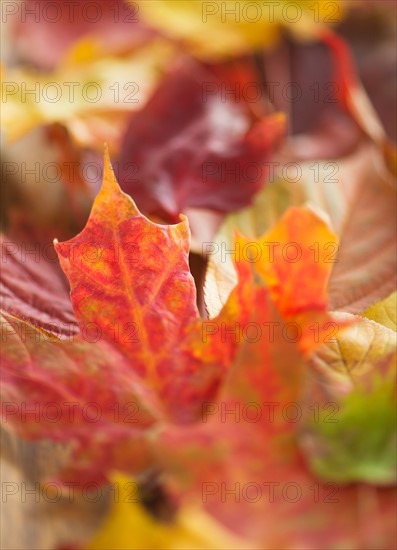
<point>296,272</point>
<point>85,92</point>
<point>130,279</point>
<point>360,196</point>
<point>242,461</point>
<point>366,267</point>
<point>236,28</point>
<point>129,526</point>
<point>384,312</point>
<point>354,436</point>
<point>192,147</point>
<point>78,391</point>
<point>33,287</point>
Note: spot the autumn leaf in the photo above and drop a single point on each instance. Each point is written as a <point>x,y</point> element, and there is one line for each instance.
<point>245,457</point>
<point>356,190</point>
<point>137,291</point>
<point>128,271</point>
<point>361,445</point>
<point>239,445</point>
<point>85,92</point>
<point>192,147</point>
<point>384,312</point>
<point>72,386</point>
<point>285,265</point>
<point>130,280</point>
<point>362,196</point>
<point>354,384</point>
<point>33,287</point>
<point>211,453</point>
<point>227,449</point>
<point>130,526</point>
<point>236,28</point>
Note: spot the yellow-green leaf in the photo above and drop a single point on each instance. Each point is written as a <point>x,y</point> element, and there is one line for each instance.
<point>384,312</point>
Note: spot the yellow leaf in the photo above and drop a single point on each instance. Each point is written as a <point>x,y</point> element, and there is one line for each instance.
<point>129,526</point>
<point>384,312</point>
<point>89,93</point>
<point>217,29</point>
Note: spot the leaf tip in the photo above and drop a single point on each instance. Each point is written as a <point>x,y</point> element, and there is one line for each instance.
<point>56,244</point>
<point>183,227</point>
<point>109,183</point>
<point>59,248</point>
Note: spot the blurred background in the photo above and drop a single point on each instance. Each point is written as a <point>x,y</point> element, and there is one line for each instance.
<point>186,95</point>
